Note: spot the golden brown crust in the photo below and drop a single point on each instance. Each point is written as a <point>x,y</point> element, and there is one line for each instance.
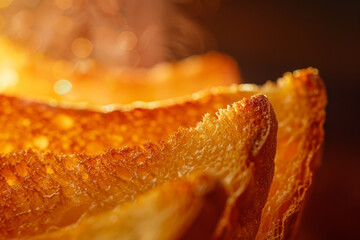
<point>254,198</point>
<point>299,100</point>
<point>55,185</point>
<point>43,127</point>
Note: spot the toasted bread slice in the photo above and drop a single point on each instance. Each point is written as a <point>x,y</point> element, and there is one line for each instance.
<point>184,209</point>
<point>300,95</point>
<point>68,128</point>
<point>299,101</point>
<point>35,75</point>
<point>41,191</point>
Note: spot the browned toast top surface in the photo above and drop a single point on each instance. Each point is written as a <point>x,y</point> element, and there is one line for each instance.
<point>58,189</point>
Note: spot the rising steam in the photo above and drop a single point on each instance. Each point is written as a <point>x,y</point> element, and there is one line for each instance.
<point>116,33</point>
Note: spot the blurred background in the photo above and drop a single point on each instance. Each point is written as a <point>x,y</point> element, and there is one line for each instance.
<point>266,38</point>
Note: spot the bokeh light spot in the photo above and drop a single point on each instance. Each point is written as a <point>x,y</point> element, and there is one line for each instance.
<point>62,87</point>
<point>21,21</point>
<point>64,121</point>
<point>127,41</point>
<point>8,77</point>
<point>81,47</point>
<point>41,142</point>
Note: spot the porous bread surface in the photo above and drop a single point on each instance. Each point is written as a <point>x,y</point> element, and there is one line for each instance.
<point>184,209</point>
<point>29,124</point>
<point>41,191</point>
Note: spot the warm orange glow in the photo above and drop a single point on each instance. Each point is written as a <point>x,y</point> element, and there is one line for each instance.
<point>63,4</point>
<point>64,25</point>
<point>41,142</point>
<point>81,47</point>
<point>124,85</point>
<point>127,41</point>
<point>85,132</point>
<point>301,89</point>
<point>21,21</point>
<point>8,78</point>
<point>62,69</point>
<point>109,6</point>
<point>2,21</point>
<point>5,3</point>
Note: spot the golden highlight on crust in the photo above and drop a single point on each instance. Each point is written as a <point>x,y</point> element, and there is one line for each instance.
<point>238,145</point>
<point>45,127</point>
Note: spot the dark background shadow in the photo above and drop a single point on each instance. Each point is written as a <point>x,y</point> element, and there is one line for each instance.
<point>268,38</point>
